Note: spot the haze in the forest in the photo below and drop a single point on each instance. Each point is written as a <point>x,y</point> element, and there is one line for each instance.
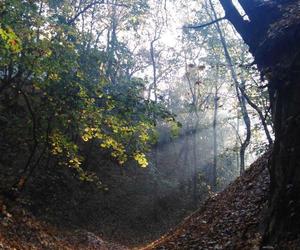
<point>121,118</point>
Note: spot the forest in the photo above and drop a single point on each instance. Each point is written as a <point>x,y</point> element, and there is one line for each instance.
<point>149,124</point>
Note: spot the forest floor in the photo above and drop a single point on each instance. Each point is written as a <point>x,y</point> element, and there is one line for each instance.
<point>232,219</point>
<point>21,230</point>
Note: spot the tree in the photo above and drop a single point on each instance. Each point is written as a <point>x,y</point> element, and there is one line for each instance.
<point>240,96</point>
<point>237,63</point>
<point>272,34</point>
<point>57,95</point>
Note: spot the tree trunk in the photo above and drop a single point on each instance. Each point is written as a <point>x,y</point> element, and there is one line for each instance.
<point>285,163</point>
<point>215,121</point>
<point>195,172</point>
<point>260,114</point>
<point>112,42</point>
<point>247,121</point>
<point>214,174</point>
<point>240,97</point>
<point>237,139</point>
<point>275,45</point>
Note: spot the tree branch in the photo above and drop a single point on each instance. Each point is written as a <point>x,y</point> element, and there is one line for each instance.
<point>232,14</point>
<point>260,114</point>
<point>72,20</point>
<point>204,25</point>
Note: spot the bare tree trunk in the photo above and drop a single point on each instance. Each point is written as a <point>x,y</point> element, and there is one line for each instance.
<point>247,121</point>
<point>215,121</point>
<point>111,46</point>
<point>154,66</point>
<point>214,175</point>
<point>153,61</point>
<point>155,153</point>
<point>241,98</point>
<point>195,172</point>
<point>260,114</point>
<point>195,126</point>
<point>237,140</point>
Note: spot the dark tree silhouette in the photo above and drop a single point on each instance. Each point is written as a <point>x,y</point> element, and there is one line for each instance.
<point>272,31</point>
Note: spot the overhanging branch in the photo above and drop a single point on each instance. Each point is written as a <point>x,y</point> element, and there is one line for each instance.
<point>200,26</point>
<point>236,19</point>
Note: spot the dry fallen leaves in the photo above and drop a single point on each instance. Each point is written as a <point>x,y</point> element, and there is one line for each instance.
<point>228,220</point>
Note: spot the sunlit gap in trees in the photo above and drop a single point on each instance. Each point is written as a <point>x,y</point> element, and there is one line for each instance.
<point>162,44</point>
<point>175,48</point>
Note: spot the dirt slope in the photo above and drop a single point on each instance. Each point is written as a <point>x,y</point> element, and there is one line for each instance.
<point>19,230</point>
<point>233,219</point>
<point>230,220</point>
